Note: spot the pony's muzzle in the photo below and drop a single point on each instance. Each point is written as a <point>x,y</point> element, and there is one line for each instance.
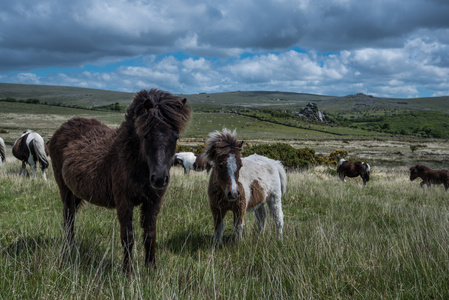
<point>159,182</point>
<point>233,195</point>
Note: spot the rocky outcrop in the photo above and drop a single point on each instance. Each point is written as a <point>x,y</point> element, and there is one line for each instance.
<point>311,112</point>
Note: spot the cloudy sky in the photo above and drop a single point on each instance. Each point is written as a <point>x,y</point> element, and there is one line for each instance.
<point>387,48</point>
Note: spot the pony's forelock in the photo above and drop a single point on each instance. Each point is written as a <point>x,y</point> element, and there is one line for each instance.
<point>221,143</point>
<point>153,107</point>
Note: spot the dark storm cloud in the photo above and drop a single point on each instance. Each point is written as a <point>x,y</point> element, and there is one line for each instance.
<point>362,45</point>
<point>42,33</point>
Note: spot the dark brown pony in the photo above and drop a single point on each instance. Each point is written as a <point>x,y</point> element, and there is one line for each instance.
<point>30,148</point>
<point>201,163</point>
<point>430,176</point>
<point>121,168</point>
<point>353,169</point>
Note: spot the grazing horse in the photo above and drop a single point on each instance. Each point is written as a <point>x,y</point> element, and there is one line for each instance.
<point>240,184</point>
<point>353,169</point>
<point>192,161</point>
<point>2,151</point>
<point>121,168</point>
<point>30,148</point>
<point>430,176</point>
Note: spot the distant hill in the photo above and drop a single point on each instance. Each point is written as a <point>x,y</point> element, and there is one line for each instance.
<point>62,94</point>
<point>271,99</point>
<point>423,117</point>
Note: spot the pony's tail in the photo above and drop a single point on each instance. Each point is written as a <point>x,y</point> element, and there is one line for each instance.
<point>40,151</point>
<point>2,151</point>
<point>367,170</point>
<point>283,176</point>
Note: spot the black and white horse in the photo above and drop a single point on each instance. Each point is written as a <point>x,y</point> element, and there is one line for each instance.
<point>30,148</point>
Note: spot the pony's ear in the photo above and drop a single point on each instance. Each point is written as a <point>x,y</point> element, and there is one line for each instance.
<point>184,101</point>
<point>148,104</point>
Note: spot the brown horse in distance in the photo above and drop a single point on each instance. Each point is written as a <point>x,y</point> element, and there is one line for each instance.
<point>430,176</point>
<point>121,168</point>
<point>201,164</point>
<point>353,169</point>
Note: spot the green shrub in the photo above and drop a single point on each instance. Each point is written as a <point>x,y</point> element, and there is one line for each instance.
<point>199,148</point>
<point>334,157</point>
<point>290,157</point>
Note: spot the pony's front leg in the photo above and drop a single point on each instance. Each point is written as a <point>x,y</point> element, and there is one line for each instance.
<point>70,205</point>
<point>148,223</point>
<point>218,226</point>
<point>238,225</point>
<point>125,217</point>
<point>342,177</point>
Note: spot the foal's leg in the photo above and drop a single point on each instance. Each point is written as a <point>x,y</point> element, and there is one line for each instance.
<point>125,217</point>
<point>275,207</point>
<point>261,217</point>
<point>148,223</point>
<point>239,224</point>
<point>218,216</point>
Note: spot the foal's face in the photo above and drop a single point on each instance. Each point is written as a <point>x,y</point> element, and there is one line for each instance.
<point>159,148</point>
<point>228,169</point>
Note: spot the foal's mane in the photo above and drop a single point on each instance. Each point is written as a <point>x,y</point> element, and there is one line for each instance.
<point>221,144</point>
<point>154,107</point>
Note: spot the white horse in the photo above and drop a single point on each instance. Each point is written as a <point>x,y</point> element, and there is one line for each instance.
<point>186,159</point>
<point>240,184</point>
<point>30,148</point>
<point>2,151</point>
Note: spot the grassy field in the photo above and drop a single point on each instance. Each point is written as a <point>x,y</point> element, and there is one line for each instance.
<point>341,240</point>
<point>360,116</point>
<point>16,117</point>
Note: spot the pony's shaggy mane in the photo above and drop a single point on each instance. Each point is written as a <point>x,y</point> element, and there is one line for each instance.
<point>149,108</point>
<point>221,144</point>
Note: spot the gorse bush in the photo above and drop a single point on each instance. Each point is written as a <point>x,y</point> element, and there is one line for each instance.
<point>290,157</point>
<point>199,148</point>
<point>334,157</point>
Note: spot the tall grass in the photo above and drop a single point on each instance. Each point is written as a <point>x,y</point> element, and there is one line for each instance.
<point>389,239</point>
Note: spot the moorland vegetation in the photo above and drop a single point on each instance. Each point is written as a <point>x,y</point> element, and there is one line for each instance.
<point>388,239</point>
